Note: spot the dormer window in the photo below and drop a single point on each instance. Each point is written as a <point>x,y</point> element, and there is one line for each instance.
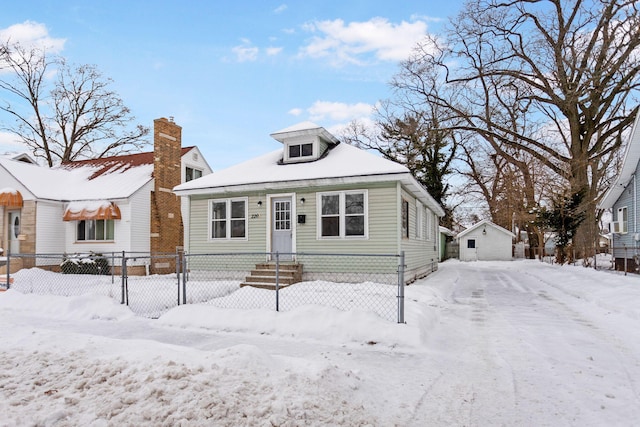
<point>304,142</point>
<point>300,150</point>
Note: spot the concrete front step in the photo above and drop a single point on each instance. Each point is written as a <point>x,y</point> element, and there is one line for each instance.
<point>271,279</point>
<point>264,275</point>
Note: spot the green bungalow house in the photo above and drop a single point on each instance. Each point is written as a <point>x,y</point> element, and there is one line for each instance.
<point>316,195</point>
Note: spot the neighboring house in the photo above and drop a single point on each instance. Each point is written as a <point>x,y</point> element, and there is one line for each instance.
<point>21,157</point>
<point>446,236</point>
<point>485,241</point>
<point>622,198</point>
<point>113,204</point>
<point>315,195</point>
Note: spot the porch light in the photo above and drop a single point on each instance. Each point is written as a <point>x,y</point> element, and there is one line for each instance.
<point>302,201</point>
<point>484,230</point>
<point>259,202</point>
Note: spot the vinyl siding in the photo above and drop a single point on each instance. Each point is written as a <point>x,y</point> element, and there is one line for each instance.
<point>50,228</point>
<point>136,227</point>
<point>383,229</point>
<point>199,227</point>
<point>627,240</point>
<point>421,255</point>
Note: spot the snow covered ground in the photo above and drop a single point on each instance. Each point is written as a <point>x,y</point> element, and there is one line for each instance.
<point>485,343</point>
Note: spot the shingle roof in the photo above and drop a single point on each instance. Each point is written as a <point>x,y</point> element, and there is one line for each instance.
<point>115,163</point>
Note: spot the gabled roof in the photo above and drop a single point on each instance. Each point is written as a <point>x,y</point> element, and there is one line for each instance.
<point>22,157</point>
<point>344,164</point>
<point>115,163</point>
<point>483,223</point>
<point>629,165</point>
<point>108,178</point>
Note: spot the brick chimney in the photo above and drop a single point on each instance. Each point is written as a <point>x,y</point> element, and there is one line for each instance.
<point>166,220</point>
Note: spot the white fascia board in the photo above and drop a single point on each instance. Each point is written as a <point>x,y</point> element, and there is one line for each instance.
<point>405,178</point>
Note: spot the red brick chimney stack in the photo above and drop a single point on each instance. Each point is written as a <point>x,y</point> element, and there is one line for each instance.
<point>166,221</point>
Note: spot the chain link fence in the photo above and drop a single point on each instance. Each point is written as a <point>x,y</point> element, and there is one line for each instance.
<point>152,284</point>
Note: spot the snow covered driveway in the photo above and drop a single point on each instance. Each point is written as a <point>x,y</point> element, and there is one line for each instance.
<point>485,344</point>
<point>529,346</point>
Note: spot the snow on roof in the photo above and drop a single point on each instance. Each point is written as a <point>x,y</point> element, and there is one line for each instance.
<point>8,190</point>
<point>304,129</point>
<point>629,164</point>
<point>77,183</point>
<point>343,163</point>
<point>106,178</point>
<point>483,223</point>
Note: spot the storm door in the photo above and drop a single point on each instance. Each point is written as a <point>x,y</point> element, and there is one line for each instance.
<point>14,232</point>
<point>281,227</point>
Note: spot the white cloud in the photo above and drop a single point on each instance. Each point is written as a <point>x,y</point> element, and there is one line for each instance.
<point>351,42</point>
<point>9,139</point>
<point>338,111</point>
<point>246,51</point>
<point>31,34</point>
<point>280,8</point>
<point>295,111</point>
<point>272,51</point>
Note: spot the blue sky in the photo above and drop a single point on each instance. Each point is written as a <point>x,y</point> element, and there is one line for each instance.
<point>231,73</point>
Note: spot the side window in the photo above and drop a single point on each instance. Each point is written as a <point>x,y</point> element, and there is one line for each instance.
<point>191,174</point>
<point>471,244</point>
<point>405,218</point>
<point>420,221</point>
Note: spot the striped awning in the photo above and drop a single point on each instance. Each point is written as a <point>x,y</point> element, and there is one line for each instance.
<point>11,198</point>
<point>93,209</point>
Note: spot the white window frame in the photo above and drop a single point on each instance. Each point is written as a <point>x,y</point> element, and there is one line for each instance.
<point>420,220</point>
<point>228,219</point>
<point>194,169</point>
<point>430,227</point>
<point>300,158</point>
<point>342,214</point>
<point>96,228</point>
<point>622,213</point>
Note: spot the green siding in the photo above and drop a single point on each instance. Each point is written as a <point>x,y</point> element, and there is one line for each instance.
<point>383,229</point>
<point>421,254</point>
<point>199,227</point>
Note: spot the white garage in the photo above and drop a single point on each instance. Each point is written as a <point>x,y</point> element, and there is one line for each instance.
<point>485,241</point>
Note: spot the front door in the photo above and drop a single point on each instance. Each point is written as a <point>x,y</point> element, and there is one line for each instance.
<point>14,232</point>
<point>281,234</point>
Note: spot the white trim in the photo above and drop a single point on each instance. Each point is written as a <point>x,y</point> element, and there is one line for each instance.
<point>629,165</point>
<point>342,215</point>
<point>314,151</point>
<point>420,222</point>
<point>294,217</point>
<point>405,178</point>
<point>228,219</point>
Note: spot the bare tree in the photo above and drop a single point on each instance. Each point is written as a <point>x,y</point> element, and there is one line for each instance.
<point>571,68</point>
<point>69,116</point>
<point>416,140</point>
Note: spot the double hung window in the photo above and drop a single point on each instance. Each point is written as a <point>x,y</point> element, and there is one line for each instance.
<point>228,219</point>
<point>343,214</point>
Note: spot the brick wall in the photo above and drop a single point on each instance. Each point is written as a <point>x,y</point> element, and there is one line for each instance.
<point>166,221</point>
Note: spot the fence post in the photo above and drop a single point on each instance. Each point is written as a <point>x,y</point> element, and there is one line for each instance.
<point>401,288</point>
<point>277,281</point>
<point>184,277</point>
<point>178,274</point>
<point>9,269</point>
<point>625,260</point>
<point>123,276</point>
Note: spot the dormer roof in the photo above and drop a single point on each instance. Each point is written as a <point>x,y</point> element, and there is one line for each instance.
<point>303,129</point>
